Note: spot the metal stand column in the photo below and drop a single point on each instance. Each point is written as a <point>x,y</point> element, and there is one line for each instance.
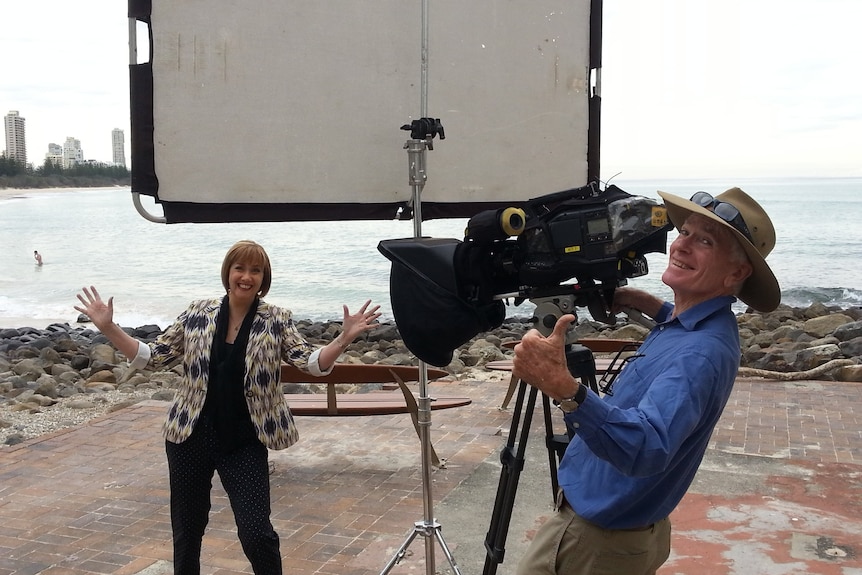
<point>429,528</point>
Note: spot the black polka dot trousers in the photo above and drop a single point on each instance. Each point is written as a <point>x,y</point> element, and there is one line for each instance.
<point>244,474</point>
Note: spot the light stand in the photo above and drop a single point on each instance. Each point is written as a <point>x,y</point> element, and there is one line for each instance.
<point>422,134</point>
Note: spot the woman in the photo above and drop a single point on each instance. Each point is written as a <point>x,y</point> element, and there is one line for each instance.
<point>229,407</point>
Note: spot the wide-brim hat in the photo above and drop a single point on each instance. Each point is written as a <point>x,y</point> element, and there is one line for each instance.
<point>760,290</point>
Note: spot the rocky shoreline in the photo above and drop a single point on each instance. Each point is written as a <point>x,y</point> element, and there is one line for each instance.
<point>62,375</point>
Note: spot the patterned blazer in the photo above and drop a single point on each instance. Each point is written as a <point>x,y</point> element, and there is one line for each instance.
<point>273,338</point>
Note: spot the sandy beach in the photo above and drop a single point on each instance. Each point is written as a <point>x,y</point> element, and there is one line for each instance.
<point>6,193</point>
<point>18,192</point>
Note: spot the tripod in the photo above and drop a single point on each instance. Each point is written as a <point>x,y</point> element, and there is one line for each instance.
<point>582,365</point>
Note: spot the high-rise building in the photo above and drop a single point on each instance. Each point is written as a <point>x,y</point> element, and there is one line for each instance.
<point>16,144</point>
<point>72,153</point>
<point>118,142</point>
<point>55,154</point>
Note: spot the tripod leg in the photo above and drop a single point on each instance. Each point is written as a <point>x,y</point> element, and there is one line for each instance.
<point>438,534</point>
<point>399,554</point>
<point>513,463</point>
<point>431,533</point>
<point>556,445</point>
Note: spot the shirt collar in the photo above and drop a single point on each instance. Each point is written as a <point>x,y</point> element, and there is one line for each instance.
<point>693,316</point>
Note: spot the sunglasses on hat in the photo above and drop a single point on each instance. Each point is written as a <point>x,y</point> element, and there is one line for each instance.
<point>723,210</point>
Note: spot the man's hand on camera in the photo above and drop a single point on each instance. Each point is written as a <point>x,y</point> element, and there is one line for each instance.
<point>541,361</point>
<point>636,299</point>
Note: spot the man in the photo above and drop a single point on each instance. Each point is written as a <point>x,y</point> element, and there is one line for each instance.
<point>636,452</point>
<point>38,257</point>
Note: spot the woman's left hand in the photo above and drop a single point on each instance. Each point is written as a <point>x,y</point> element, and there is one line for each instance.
<point>360,322</point>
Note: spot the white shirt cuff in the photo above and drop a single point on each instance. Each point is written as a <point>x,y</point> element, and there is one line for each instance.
<point>142,358</point>
<point>314,366</point>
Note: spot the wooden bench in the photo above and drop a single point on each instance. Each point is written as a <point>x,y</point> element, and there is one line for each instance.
<point>618,347</point>
<point>372,403</point>
<point>606,367</point>
<point>334,404</point>
<point>598,344</point>
<point>356,404</point>
<point>603,364</point>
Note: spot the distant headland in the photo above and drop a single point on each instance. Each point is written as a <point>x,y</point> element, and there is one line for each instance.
<point>19,176</point>
<point>28,181</point>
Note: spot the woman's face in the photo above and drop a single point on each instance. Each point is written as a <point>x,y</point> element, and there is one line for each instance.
<point>245,280</point>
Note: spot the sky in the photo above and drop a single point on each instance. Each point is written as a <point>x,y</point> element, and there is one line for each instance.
<point>64,68</point>
<point>690,88</point>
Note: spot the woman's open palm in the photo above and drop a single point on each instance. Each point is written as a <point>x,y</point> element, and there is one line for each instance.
<point>99,312</point>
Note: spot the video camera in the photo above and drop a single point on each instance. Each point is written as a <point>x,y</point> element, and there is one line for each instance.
<point>444,291</point>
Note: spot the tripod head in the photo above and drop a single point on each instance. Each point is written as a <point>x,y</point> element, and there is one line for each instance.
<point>550,309</point>
<point>579,358</point>
<point>425,129</point>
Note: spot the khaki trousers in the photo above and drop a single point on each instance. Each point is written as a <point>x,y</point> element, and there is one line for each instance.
<point>569,545</point>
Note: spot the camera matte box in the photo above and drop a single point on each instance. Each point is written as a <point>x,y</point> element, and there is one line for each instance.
<point>286,111</point>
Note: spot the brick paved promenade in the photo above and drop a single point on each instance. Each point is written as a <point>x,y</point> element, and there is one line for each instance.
<point>779,492</point>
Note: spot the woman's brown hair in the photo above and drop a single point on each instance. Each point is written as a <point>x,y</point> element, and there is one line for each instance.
<point>251,253</point>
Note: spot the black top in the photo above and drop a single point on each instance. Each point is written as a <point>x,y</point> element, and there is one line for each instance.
<point>225,404</point>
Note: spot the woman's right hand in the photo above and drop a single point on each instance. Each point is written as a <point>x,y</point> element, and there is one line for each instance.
<point>99,312</point>
<point>102,316</point>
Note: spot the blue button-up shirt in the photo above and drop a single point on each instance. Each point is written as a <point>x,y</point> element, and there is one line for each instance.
<point>636,452</point>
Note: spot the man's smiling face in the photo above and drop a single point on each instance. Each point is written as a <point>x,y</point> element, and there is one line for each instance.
<point>703,263</point>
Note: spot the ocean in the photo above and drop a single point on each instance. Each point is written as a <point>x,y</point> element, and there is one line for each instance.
<point>96,237</point>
